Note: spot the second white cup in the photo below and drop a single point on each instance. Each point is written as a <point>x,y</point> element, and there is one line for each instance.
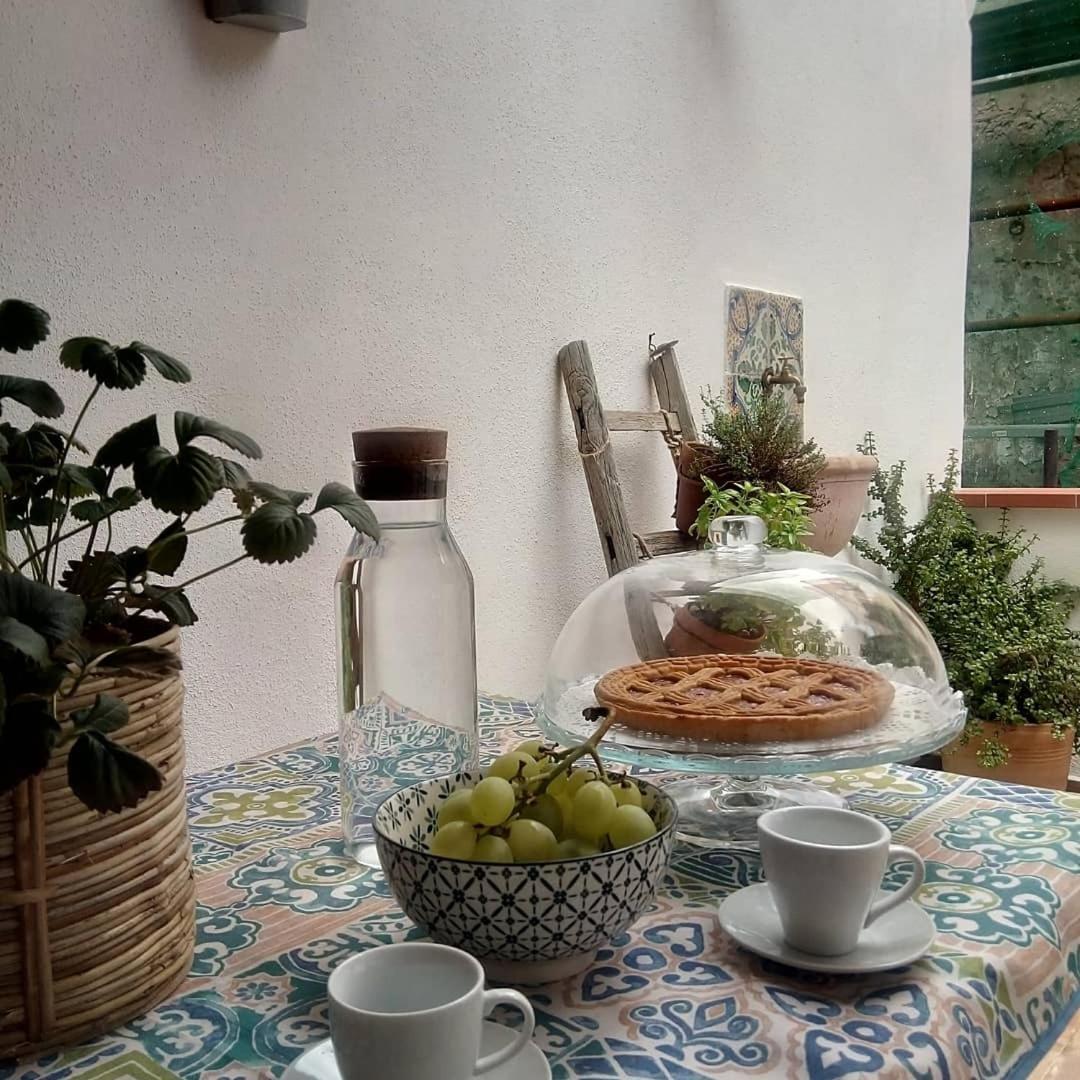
<point>413,1011</point>
<point>824,866</point>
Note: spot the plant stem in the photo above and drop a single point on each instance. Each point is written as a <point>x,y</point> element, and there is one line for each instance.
<point>589,746</point>
<point>3,535</point>
<point>32,557</point>
<point>206,574</point>
<point>214,524</point>
<point>94,527</point>
<point>43,550</point>
<point>56,488</point>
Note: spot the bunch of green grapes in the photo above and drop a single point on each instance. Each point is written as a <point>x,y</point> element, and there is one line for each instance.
<point>531,805</point>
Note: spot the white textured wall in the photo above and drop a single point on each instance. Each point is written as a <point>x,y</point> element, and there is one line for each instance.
<point>401,213</point>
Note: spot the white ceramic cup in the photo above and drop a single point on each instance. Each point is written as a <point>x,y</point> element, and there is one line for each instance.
<point>824,866</point>
<point>413,1011</point>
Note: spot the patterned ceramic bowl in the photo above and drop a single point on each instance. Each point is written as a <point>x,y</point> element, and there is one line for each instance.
<point>527,922</point>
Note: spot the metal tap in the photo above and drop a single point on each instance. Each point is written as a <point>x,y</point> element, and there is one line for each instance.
<point>782,373</point>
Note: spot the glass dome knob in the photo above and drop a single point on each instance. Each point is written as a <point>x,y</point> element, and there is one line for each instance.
<point>737,531</point>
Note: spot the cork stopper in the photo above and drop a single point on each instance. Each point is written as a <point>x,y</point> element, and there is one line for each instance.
<point>403,445</point>
<point>400,463</point>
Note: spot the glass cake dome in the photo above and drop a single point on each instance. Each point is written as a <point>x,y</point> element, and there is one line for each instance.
<point>862,684</point>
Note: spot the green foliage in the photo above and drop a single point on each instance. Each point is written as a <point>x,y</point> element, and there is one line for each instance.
<point>760,445</point>
<point>783,511</point>
<point>1001,625</point>
<point>58,627</point>
<point>781,627</point>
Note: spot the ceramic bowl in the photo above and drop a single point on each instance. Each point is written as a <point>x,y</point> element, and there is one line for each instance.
<point>526,922</point>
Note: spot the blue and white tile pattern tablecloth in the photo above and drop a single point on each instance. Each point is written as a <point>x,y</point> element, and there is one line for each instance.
<point>279,906</point>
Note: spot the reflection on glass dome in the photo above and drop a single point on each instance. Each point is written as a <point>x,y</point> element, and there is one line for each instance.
<point>740,599</point>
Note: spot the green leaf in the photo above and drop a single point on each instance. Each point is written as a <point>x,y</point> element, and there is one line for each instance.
<point>135,562</point>
<point>44,510</point>
<point>128,444</point>
<point>54,614</point>
<point>92,577</point>
<point>277,533</point>
<point>105,715</point>
<point>5,478</point>
<point>27,739</point>
<point>190,427</point>
<point>350,506</point>
<point>78,480</point>
<point>167,550</point>
<point>22,325</point>
<point>95,510</point>
<point>40,445</point>
<point>106,776</point>
<point>167,367</point>
<point>63,436</point>
<point>178,483</point>
<point>38,396</point>
<point>23,639</point>
<point>118,369</point>
<point>272,493</point>
<point>172,603</point>
<point>244,500</point>
<point>235,476</point>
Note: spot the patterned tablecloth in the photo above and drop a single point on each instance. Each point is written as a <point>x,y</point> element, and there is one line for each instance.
<point>279,906</point>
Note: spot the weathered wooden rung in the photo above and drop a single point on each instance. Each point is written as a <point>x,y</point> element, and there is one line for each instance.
<point>624,420</point>
<point>667,542</point>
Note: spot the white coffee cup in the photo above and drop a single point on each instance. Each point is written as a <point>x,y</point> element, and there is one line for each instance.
<point>824,867</point>
<point>413,1011</point>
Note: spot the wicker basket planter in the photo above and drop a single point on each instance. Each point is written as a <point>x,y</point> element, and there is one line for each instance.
<point>97,911</point>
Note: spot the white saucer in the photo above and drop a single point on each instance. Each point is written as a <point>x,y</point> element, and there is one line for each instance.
<point>318,1063</point>
<point>899,937</point>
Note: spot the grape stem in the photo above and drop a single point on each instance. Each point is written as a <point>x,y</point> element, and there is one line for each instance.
<point>565,760</point>
<point>589,746</point>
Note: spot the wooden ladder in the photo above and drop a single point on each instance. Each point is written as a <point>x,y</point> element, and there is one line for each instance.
<point>621,546</point>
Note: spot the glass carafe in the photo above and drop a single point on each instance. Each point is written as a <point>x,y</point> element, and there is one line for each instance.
<point>407,643</point>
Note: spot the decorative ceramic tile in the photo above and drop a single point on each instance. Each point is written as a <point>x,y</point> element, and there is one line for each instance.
<point>762,329</point>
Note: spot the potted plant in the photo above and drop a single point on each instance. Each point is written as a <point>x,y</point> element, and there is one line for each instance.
<point>784,511</point>
<point>1001,625</point>
<point>714,624</point>
<point>761,445</point>
<point>95,865</point>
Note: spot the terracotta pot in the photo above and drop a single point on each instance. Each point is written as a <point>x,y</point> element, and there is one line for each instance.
<point>1035,756</point>
<point>691,636</point>
<point>689,490</point>
<point>844,481</point>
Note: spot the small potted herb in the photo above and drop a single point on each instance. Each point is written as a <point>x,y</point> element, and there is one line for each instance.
<point>761,445</point>
<point>784,511</point>
<point>715,624</point>
<point>1001,625</point>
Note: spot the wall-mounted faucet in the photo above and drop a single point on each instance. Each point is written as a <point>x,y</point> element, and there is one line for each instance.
<point>782,373</point>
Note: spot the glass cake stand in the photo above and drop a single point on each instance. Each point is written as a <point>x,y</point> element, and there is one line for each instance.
<point>742,598</point>
<point>729,785</point>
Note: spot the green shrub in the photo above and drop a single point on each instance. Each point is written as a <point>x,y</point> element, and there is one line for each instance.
<point>761,445</point>
<point>1002,629</point>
